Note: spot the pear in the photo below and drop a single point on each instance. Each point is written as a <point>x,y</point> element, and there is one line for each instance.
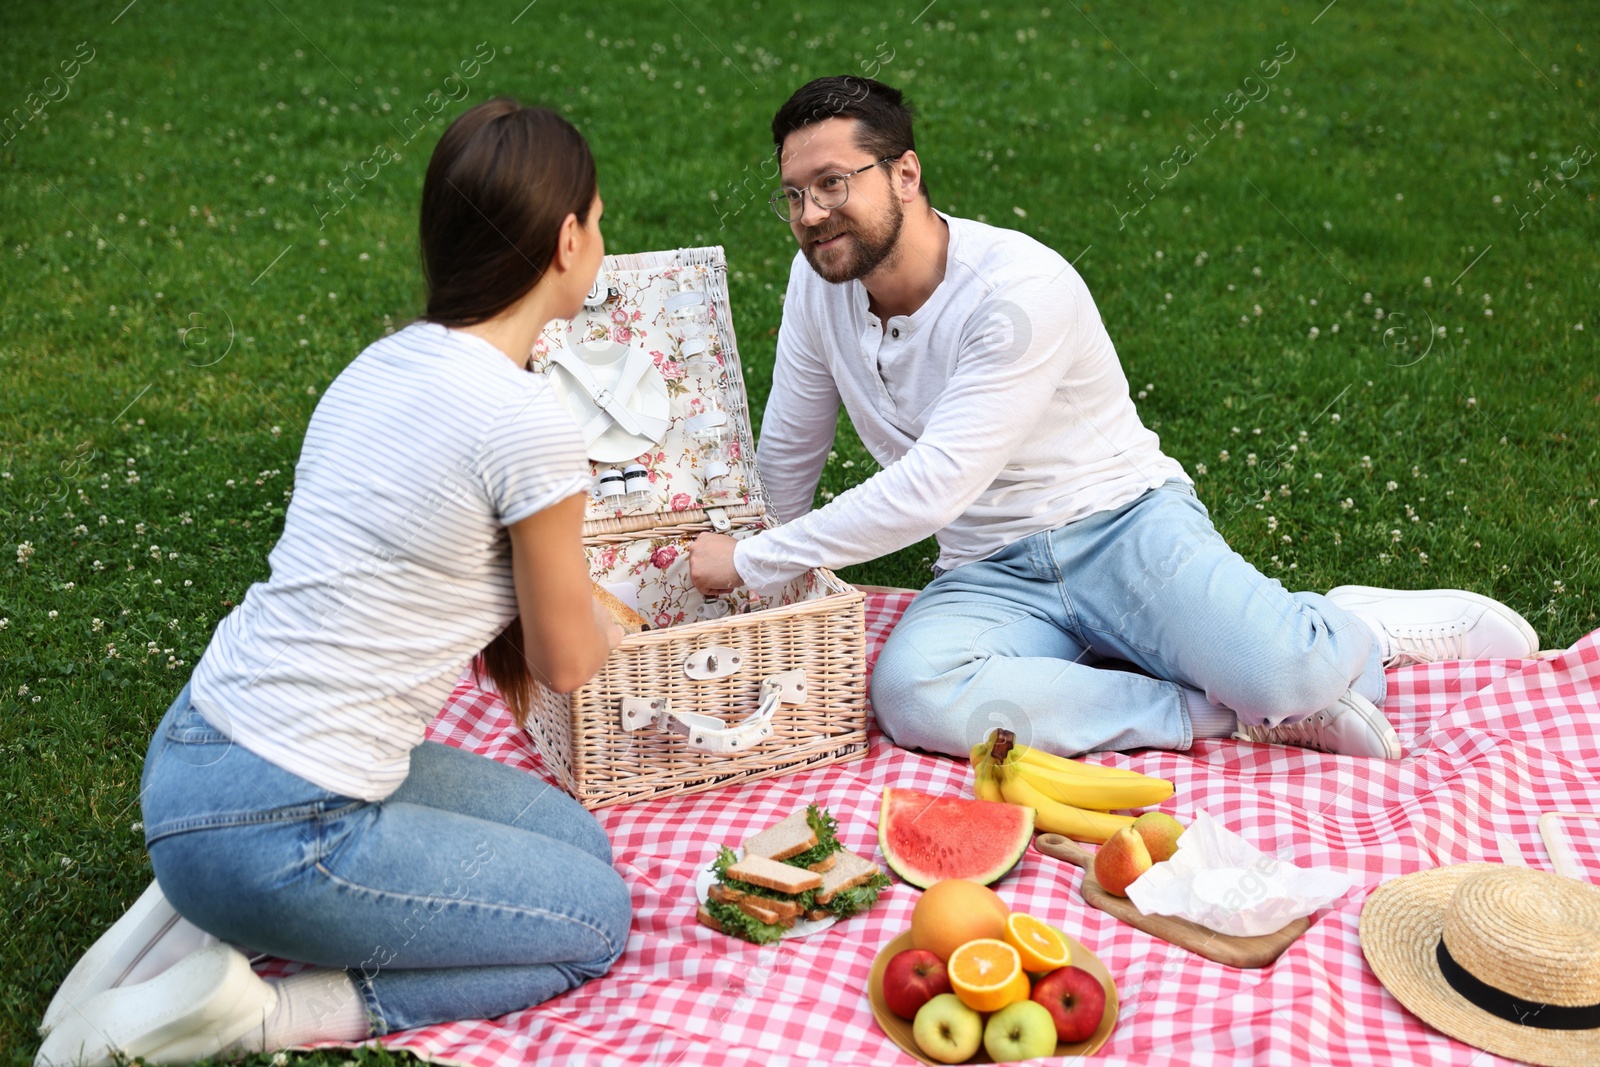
<point>1160,832</point>
<point>1120,860</point>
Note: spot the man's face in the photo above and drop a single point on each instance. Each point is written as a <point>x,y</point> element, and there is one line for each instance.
<point>855,238</point>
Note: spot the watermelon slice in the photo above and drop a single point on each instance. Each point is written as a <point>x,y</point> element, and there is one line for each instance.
<point>927,839</point>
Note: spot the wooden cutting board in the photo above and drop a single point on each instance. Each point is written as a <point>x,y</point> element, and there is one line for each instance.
<point>1243,952</point>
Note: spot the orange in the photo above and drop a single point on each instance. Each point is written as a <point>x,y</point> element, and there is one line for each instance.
<point>987,975</point>
<point>1042,947</point>
<point>952,912</point>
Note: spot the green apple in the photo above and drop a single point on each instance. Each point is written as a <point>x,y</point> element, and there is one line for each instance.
<point>950,1032</point>
<point>1022,1031</point>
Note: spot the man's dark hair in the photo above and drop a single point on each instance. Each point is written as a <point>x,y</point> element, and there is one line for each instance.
<point>882,112</point>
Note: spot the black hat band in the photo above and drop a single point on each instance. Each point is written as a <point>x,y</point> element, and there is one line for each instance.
<point>1499,1003</point>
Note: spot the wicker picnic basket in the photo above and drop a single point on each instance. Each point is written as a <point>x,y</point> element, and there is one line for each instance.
<point>719,690</point>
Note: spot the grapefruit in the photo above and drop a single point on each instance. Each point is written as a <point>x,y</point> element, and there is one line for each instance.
<point>955,911</point>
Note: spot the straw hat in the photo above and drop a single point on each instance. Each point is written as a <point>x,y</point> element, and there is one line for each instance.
<point>1504,958</point>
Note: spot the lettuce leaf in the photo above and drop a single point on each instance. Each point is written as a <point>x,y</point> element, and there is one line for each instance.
<point>735,922</point>
<point>823,825</point>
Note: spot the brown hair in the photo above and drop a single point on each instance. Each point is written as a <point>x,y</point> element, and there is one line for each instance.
<point>502,180</point>
<point>882,113</point>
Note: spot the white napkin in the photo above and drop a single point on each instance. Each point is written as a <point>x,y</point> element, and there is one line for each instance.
<point>1222,882</point>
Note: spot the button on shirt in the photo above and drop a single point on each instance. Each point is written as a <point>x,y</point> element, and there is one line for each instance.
<point>997,410</point>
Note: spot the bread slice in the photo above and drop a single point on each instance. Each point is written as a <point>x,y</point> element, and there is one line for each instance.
<point>781,911</point>
<point>708,919</point>
<point>751,906</point>
<point>788,838</point>
<point>850,871</point>
<point>770,874</point>
<point>817,914</point>
<point>824,864</point>
<point>630,621</point>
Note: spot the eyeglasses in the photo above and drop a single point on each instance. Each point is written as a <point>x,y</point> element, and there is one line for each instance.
<point>828,191</point>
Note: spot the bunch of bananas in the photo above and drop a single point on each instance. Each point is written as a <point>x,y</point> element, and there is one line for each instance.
<point>1068,797</point>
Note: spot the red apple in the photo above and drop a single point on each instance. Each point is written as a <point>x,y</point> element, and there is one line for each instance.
<point>1076,1000</point>
<point>911,979</point>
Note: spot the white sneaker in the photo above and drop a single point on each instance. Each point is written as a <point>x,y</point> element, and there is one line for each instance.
<point>195,1009</point>
<point>1352,726</point>
<point>1428,625</point>
<point>149,938</point>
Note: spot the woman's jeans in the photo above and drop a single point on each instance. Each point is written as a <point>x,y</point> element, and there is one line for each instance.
<point>473,890</point>
<point>1015,640</point>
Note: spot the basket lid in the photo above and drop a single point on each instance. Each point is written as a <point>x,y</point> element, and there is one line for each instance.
<point>650,370</point>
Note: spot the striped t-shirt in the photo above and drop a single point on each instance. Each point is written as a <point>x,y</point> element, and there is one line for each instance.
<point>394,567</point>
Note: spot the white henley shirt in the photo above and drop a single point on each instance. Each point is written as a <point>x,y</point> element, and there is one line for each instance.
<point>997,410</point>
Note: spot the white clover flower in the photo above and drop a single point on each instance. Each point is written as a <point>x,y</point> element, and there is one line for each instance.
<point>1250,459</point>
<point>1223,455</point>
<point>1347,503</point>
<point>51,614</point>
<point>1391,485</point>
<point>80,530</point>
<point>25,552</point>
<point>1334,418</point>
<point>97,625</point>
<point>1199,468</point>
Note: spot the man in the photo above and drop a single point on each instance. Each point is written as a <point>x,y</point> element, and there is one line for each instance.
<point>976,371</point>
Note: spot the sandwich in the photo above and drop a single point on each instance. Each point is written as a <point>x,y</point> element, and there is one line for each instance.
<point>795,868</point>
<point>805,839</point>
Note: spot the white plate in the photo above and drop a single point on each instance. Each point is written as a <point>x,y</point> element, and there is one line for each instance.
<point>605,362</point>
<point>802,927</point>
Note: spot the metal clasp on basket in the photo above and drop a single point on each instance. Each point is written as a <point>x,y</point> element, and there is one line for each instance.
<point>713,661</point>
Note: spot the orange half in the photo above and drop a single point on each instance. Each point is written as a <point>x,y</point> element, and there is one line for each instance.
<point>987,974</point>
<point>1042,947</point>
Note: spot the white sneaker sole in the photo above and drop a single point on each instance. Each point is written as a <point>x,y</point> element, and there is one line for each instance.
<point>113,957</point>
<point>1364,596</point>
<point>195,1009</point>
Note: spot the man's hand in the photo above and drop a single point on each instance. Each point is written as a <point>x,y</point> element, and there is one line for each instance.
<point>711,565</point>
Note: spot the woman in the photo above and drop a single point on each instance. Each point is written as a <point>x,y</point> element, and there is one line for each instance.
<point>290,803</point>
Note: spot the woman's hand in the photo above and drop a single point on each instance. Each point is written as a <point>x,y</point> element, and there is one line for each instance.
<point>606,624</point>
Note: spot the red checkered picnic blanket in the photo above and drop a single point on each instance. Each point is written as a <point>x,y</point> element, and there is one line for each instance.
<point>1490,745</point>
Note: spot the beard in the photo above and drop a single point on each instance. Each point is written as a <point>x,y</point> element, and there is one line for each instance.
<point>864,248</point>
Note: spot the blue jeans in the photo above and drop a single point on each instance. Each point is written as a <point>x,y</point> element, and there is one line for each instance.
<point>1020,639</point>
<point>472,891</point>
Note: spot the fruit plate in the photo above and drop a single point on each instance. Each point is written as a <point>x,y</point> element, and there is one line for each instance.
<point>801,928</point>
<point>899,1030</point>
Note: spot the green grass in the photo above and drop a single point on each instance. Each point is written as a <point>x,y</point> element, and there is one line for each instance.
<point>178,187</point>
